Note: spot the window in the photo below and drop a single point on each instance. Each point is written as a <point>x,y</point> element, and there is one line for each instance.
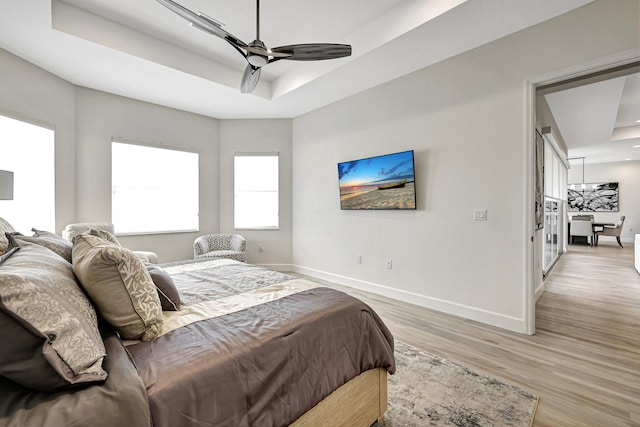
<point>154,190</point>
<point>29,152</point>
<point>256,201</point>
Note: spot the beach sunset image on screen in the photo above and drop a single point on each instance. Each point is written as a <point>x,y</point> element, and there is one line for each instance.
<point>381,182</point>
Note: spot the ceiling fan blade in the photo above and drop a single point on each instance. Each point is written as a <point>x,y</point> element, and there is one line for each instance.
<point>202,22</point>
<point>249,79</point>
<point>313,51</point>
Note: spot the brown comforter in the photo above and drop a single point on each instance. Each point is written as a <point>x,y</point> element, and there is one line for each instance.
<point>264,365</point>
<point>120,401</point>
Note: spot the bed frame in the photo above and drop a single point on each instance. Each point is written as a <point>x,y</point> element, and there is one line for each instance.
<point>359,402</point>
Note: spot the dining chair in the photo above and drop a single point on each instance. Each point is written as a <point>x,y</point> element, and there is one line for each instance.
<point>608,230</point>
<point>582,227</point>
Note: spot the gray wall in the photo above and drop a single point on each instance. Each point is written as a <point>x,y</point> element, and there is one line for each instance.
<point>85,121</point>
<point>258,136</point>
<point>101,116</point>
<point>31,94</point>
<point>466,120</point>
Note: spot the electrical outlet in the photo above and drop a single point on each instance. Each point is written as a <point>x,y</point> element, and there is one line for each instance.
<point>260,247</point>
<point>359,259</point>
<point>388,264</point>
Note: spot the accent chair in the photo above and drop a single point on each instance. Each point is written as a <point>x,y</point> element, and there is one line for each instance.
<point>220,246</point>
<point>72,230</point>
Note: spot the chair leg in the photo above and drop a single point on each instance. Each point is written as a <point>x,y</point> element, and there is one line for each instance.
<point>618,239</point>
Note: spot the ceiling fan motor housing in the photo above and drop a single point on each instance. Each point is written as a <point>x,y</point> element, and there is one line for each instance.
<point>256,59</point>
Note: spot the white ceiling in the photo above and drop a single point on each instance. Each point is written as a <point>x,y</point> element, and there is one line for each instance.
<point>600,121</point>
<point>142,50</point>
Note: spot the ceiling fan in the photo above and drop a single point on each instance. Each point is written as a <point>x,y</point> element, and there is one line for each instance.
<point>256,53</point>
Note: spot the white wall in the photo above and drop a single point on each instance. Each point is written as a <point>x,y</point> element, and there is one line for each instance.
<point>31,94</point>
<point>101,116</point>
<point>84,121</point>
<point>465,118</point>
<point>627,175</point>
<point>258,136</point>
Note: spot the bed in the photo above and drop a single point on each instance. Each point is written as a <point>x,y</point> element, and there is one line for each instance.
<point>248,347</point>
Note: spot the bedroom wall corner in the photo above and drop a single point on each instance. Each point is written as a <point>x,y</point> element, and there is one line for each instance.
<point>50,102</point>
<point>101,116</point>
<point>260,135</point>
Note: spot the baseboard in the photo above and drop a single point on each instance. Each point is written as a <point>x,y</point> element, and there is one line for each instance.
<point>539,291</point>
<point>461,310</point>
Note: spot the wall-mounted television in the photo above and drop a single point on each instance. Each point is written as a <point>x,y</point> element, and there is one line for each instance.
<point>380,182</point>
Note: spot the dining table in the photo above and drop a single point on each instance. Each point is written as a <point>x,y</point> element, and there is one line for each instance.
<point>596,226</point>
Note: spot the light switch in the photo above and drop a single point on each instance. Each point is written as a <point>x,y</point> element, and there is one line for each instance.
<point>479,214</point>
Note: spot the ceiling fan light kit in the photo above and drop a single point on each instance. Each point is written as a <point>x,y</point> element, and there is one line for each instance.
<point>256,52</point>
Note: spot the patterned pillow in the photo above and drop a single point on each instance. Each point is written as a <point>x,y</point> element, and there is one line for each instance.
<point>5,227</point>
<point>12,246</point>
<point>119,285</point>
<point>104,235</point>
<point>48,327</point>
<point>50,241</point>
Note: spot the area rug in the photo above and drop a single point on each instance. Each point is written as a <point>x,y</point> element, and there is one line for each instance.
<point>427,390</point>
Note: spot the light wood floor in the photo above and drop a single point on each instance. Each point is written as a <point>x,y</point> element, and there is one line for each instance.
<point>583,361</point>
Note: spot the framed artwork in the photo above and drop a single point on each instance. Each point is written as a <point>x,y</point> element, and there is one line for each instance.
<point>598,197</point>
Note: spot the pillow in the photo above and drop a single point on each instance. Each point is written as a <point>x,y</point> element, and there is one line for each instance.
<point>12,247</point>
<point>4,243</point>
<point>103,234</point>
<point>119,285</point>
<point>48,327</point>
<point>167,291</point>
<point>5,227</point>
<point>50,241</point>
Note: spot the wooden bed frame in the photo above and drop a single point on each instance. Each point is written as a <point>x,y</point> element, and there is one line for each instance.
<point>360,402</point>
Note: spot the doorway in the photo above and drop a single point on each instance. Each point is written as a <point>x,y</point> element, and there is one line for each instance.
<point>548,244</point>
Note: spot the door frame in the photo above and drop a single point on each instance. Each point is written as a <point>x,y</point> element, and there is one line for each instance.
<point>531,86</point>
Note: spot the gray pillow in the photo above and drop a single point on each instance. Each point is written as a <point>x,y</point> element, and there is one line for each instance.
<point>167,291</point>
<point>48,327</point>
<point>119,285</point>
